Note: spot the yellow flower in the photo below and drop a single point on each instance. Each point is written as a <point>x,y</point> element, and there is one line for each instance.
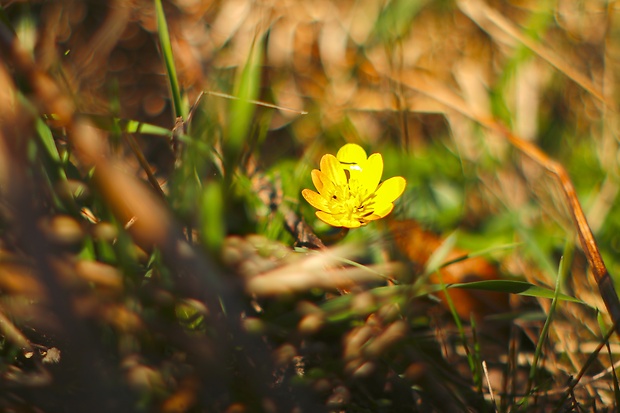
<point>350,194</point>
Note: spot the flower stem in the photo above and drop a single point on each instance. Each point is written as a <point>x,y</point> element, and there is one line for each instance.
<point>332,237</point>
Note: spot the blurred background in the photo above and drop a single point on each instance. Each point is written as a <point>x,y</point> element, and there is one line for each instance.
<point>146,243</point>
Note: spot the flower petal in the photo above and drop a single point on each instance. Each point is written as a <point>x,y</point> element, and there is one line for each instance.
<point>316,180</point>
<point>351,223</point>
<point>327,188</point>
<point>390,190</point>
<point>315,200</point>
<point>328,219</point>
<point>334,171</point>
<point>328,183</point>
<point>370,175</point>
<point>337,220</point>
<point>351,154</point>
<point>381,210</point>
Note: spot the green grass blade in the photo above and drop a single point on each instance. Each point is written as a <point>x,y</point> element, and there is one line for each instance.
<point>436,261</point>
<point>213,228</point>
<point>476,356</point>
<point>563,270</point>
<point>481,253</point>
<point>111,124</point>
<point>47,140</point>
<point>614,375</point>
<point>340,308</point>
<point>535,249</point>
<point>166,51</point>
<point>242,109</point>
<point>459,326</point>
<point>395,20</point>
<point>515,287</point>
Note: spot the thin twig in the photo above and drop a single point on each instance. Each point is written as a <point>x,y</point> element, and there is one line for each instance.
<point>135,149</point>
<point>256,102</point>
<point>486,376</point>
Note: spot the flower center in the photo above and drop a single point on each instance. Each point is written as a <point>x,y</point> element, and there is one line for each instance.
<point>352,200</point>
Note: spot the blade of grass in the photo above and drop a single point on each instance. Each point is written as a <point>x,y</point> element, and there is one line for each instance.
<point>459,326</point>
<point>613,375</point>
<point>53,165</point>
<point>47,140</point>
<point>135,149</point>
<point>476,357</point>
<point>242,109</point>
<point>49,162</point>
<point>256,102</point>
<point>339,308</point>
<point>212,209</point>
<point>534,248</point>
<point>563,270</point>
<point>515,287</point>
<point>395,19</point>
<point>480,253</point>
<point>166,51</point>
<point>435,261</point>
<point>108,123</point>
